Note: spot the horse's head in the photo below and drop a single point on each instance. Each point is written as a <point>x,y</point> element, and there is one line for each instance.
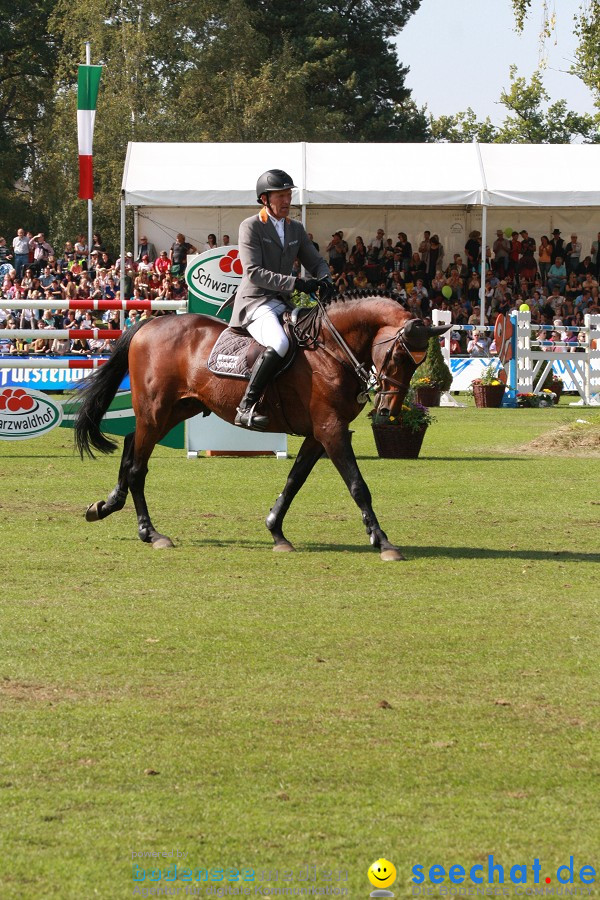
<point>396,354</point>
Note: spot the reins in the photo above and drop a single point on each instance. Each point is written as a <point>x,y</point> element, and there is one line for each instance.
<point>307,334</point>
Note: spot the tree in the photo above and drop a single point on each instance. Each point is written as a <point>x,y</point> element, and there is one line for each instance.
<point>527,122</point>
<point>587,28</point>
<point>26,75</point>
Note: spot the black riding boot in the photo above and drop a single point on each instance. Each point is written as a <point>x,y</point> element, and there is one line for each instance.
<point>265,368</point>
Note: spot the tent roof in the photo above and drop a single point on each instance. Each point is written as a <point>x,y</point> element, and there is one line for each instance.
<point>511,175</point>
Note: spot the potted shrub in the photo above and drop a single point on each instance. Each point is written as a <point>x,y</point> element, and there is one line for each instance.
<point>432,377</point>
<point>401,436</point>
<point>488,391</point>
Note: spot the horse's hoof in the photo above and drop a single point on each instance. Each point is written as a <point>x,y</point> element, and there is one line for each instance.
<point>163,543</point>
<point>392,555</point>
<point>284,547</point>
<point>92,513</point>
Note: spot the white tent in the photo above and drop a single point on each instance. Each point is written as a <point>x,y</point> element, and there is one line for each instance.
<point>202,188</point>
<point>505,175</point>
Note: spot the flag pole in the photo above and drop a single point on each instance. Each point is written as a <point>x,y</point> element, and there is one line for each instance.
<point>88,62</point>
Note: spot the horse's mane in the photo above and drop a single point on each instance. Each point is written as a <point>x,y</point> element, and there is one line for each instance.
<point>309,326</point>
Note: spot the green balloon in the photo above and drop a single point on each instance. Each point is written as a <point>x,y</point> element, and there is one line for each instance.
<point>447,291</point>
<point>508,232</point>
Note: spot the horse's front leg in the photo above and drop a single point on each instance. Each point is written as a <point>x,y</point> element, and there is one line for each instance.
<point>339,447</point>
<point>309,453</point>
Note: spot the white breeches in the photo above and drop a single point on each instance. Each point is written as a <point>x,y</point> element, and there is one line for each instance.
<point>266,329</point>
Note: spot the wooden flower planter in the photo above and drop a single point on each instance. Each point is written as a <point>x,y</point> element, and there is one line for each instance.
<point>488,395</point>
<point>398,441</point>
<point>428,396</point>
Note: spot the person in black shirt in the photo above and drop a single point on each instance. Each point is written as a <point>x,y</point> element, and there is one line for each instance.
<point>179,253</point>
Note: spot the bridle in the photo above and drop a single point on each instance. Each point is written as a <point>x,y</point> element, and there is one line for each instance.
<point>381,376</point>
<point>309,338</point>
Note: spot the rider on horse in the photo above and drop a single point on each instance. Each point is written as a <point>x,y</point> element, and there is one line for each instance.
<point>269,243</point>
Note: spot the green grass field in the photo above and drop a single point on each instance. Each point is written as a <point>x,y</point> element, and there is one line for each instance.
<point>323,708</point>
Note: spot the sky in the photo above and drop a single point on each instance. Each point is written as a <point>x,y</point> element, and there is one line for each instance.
<point>460,51</point>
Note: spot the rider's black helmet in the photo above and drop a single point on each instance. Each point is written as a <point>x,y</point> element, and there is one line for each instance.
<point>273,180</point>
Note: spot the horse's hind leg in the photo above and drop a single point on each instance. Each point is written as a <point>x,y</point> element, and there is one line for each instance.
<point>146,438</point>
<point>309,453</point>
<point>117,497</point>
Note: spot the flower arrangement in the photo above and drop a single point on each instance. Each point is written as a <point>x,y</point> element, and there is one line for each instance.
<point>545,398</point>
<point>489,376</point>
<point>422,382</point>
<point>413,416</point>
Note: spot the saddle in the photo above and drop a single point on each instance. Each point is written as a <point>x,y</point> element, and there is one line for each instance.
<point>235,351</point>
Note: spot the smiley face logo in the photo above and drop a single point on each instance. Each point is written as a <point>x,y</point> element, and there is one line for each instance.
<point>382,873</point>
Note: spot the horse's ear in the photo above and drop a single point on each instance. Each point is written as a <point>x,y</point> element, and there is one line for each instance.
<point>433,330</point>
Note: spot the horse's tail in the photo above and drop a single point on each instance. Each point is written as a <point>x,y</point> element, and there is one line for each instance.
<point>98,394</point>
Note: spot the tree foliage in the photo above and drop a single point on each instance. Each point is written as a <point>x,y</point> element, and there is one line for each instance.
<point>242,70</point>
<point>528,121</point>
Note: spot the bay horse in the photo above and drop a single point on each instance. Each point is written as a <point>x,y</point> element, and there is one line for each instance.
<point>317,397</point>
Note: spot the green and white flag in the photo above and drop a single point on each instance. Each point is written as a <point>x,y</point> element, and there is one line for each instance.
<point>88,82</point>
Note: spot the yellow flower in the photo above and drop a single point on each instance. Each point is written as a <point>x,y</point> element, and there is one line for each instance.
<point>392,419</point>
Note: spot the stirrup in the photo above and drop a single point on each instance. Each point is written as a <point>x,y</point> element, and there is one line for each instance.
<point>249,418</point>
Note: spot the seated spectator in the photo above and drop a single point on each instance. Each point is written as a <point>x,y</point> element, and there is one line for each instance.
<point>60,346</point>
<point>479,344</point>
<point>40,347</point>
<point>79,347</point>
<point>585,268</point>
<point>556,300</point>
<point>557,274</point>
<point>145,265</point>
<point>360,281</point>
<point>211,242</point>
<point>80,247</point>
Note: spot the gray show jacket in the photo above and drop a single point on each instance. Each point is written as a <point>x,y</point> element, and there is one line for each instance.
<point>268,265</point>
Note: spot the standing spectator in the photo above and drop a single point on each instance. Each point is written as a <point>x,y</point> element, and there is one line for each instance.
<point>501,249</point>
<point>5,254</point>
<point>310,237</point>
<point>145,248</point>
<point>41,250</point>
<point>376,246</point>
<point>545,258</point>
<point>435,258</point>
<point>179,253</point>
<point>572,254</point>
<point>557,244</point>
<point>359,252</point>
<point>211,242</point>
<point>21,251</point>
<point>473,251</point>
<point>514,254</point>
<point>595,255</point>
<point>405,248</point>
<point>337,256</point>
<point>424,249</point>
<point>527,263</point>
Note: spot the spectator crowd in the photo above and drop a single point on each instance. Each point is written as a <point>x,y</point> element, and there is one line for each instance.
<point>30,270</point>
<point>552,276</point>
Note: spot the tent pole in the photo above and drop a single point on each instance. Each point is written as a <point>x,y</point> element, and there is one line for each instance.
<point>122,270</point>
<point>483,262</point>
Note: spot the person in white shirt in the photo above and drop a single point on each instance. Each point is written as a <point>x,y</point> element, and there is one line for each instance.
<point>21,251</point>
